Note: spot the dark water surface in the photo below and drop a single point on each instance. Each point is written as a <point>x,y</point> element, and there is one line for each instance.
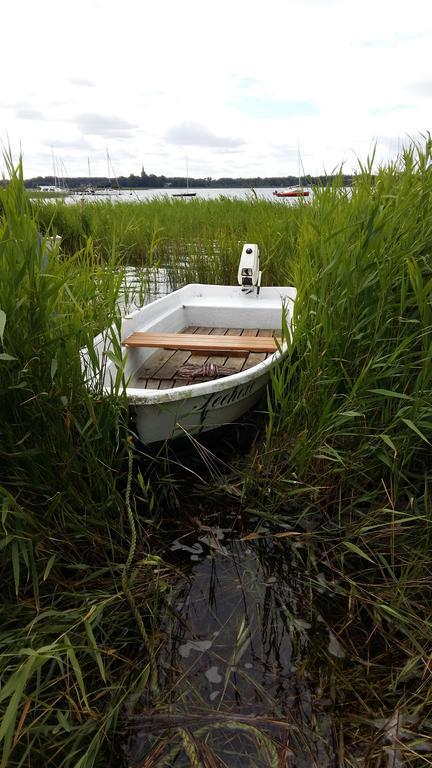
<point>241,654</point>
<point>242,646</point>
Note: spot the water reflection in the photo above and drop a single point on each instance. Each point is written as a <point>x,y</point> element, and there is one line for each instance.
<point>142,285</point>
<point>238,664</point>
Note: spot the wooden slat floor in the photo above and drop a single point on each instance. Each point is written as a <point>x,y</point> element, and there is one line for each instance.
<point>159,371</point>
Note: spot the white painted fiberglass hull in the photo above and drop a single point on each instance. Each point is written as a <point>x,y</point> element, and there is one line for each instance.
<point>199,413</point>
<point>163,414</point>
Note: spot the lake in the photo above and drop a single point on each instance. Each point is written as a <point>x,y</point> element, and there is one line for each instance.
<point>140,195</point>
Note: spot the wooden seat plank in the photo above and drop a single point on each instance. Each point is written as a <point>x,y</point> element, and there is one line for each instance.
<point>202,342</point>
<point>253,357</point>
<point>155,374</point>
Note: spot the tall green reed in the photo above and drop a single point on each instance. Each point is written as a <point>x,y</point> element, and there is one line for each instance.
<point>198,240</point>
<point>345,452</point>
<point>347,447</point>
<point>68,637</point>
<point>360,369</point>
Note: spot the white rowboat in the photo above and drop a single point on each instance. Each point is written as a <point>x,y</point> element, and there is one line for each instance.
<point>200,357</point>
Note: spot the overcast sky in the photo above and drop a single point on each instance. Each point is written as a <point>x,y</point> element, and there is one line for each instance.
<point>235,86</point>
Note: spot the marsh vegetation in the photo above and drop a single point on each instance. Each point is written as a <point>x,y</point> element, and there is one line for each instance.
<point>321,524</point>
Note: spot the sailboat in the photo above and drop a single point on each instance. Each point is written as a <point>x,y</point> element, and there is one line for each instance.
<point>187,193</point>
<point>293,191</point>
<point>89,190</point>
<point>110,190</point>
<point>57,186</point>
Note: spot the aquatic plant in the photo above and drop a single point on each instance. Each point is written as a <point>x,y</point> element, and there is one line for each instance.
<point>347,449</point>
<point>197,240</point>
<point>76,587</point>
<point>342,471</point>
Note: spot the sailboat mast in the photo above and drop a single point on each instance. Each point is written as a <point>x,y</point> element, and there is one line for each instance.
<point>298,157</point>
<point>109,169</point>
<point>54,166</point>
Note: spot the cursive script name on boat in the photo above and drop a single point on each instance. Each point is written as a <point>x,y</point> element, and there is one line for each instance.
<point>221,399</point>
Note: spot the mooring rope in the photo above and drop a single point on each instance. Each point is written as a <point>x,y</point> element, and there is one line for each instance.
<point>125,575</point>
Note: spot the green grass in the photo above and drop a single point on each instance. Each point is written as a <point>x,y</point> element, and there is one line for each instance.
<point>198,239</point>
<point>69,633</point>
<point>345,454</point>
<point>349,438</point>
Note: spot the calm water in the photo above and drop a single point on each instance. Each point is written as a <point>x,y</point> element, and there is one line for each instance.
<point>139,195</point>
<point>241,639</point>
<point>241,655</point>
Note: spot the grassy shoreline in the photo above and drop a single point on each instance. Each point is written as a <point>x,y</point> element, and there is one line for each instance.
<point>345,454</point>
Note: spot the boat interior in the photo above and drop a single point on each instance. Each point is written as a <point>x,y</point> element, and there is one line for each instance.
<point>168,368</point>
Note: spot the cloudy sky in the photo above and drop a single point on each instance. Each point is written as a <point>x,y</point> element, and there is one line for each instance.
<point>236,86</point>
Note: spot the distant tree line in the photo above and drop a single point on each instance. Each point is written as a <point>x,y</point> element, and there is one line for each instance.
<point>151,181</point>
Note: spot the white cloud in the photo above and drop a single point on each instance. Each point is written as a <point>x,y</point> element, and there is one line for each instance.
<point>106,126</point>
<point>28,113</point>
<point>82,82</point>
<point>194,134</point>
<point>422,88</point>
<point>240,84</point>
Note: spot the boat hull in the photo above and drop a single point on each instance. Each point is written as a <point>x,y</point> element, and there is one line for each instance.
<point>167,413</point>
<point>200,413</point>
<point>292,194</point>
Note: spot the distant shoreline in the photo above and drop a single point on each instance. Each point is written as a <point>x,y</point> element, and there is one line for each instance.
<point>165,183</point>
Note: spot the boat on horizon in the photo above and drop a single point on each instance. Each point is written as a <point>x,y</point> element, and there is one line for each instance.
<point>197,358</point>
<point>292,192</point>
<point>48,188</point>
<point>297,191</point>
<point>187,193</point>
